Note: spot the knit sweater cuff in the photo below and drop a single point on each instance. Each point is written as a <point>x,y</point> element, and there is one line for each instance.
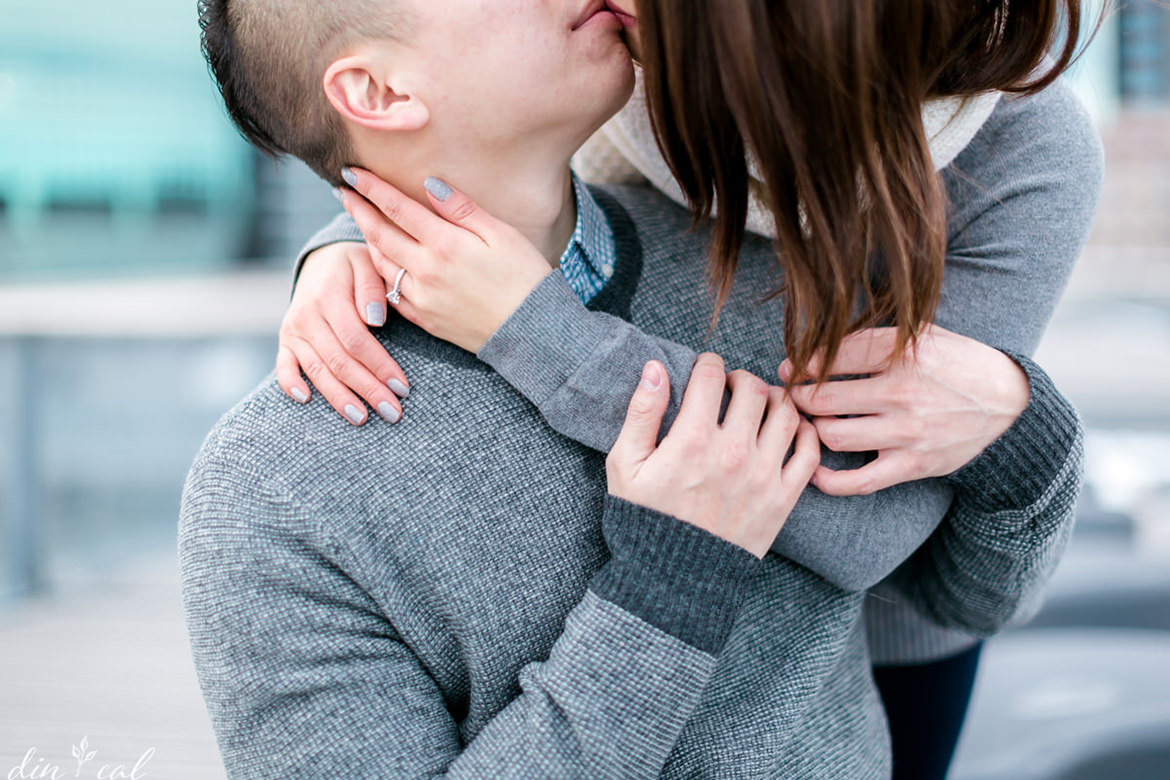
<point>544,342</point>
<point>1017,469</point>
<point>675,576</point>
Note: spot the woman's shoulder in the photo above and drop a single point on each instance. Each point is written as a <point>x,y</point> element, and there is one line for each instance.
<point>1041,145</point>
<point>1039,134</point>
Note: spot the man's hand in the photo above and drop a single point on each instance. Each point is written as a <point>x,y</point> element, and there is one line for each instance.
<point>728,478</point>
<point>927,414</point>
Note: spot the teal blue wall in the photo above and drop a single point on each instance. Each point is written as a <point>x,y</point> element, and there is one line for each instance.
<point>112,137</point>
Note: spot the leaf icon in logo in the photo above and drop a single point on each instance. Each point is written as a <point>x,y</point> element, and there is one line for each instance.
<point>83,754</point>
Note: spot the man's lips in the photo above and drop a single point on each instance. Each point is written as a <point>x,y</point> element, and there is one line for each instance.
<point>595,12</point>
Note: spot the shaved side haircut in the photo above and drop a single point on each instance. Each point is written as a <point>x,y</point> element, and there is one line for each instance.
<point>269,59</point>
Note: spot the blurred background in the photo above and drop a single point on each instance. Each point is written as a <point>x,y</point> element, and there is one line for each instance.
<point>145,256</point>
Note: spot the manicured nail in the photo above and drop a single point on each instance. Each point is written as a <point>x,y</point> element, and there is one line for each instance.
<point>399,389</point>
<point>388,412</point>
<point>355,415</point>
<point>349,176</point>
<point>300,395</point>
<point>438,188</point>
<point>375,314</point>
<point>651,377</point>
<point>337,193</point>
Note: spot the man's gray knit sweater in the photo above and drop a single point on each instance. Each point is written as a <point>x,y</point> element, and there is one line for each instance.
<point>456,596</point>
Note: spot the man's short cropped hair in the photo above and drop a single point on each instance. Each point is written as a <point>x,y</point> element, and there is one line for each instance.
<point>269,58</point>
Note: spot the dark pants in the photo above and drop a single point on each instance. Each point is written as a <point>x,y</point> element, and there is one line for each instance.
<point>925,705</point>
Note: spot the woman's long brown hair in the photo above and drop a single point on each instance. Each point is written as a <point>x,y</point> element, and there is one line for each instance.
<point>827,96</point>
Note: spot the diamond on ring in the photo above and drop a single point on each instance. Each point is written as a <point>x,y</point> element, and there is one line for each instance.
<point>395,295</point>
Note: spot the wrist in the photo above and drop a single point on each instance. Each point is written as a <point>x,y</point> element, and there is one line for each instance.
<point>1021,463</point>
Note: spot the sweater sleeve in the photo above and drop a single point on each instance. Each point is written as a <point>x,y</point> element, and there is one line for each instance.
<point>1024,193</point>
<point>305,677</point>
<point>342,228</point>
<point>986,566</point>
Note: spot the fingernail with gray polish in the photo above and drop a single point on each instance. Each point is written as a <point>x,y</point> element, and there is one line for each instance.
<point>375,314</point>
<point>337,193</point>
<point>300,395</point>
<point>399,389</point>
<point>349,176</point>
<point>388,412</point>
<point>354,414</point>
<point>438,188</point>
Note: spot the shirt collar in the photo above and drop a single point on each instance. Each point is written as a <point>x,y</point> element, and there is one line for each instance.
<point>588,260</point>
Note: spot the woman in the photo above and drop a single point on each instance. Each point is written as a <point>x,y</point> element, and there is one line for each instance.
<point>829,100</point>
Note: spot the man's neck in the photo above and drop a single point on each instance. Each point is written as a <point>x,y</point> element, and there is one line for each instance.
<point>532,193</point>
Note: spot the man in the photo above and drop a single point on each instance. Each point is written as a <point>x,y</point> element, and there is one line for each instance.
<point>438,597</point>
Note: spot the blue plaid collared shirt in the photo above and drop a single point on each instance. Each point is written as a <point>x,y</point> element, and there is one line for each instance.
<point>588,260</point>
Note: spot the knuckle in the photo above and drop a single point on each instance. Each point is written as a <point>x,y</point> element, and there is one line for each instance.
<point>337,364</point>
<point>391,207</point>
<point>734,456</point>
<point>747,382</point>
<point>315,371</point>
<point>915,429</point>
<point>708,371</point>
<point>820,401</point>
<point>353,341</point>
<point>901,395</point>
<point>380,237</point>
<point>689,439</point>
<point>464,210</point>
<point>444,246</point>
<point>640,406</point>
<point>424,275</point>
<point>864,486</point>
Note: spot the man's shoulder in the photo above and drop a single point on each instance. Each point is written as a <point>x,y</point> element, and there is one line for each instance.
<point>667,231</point>
<point>307,455</point>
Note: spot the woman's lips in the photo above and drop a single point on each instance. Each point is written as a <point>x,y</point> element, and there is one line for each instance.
<point>627,20</point>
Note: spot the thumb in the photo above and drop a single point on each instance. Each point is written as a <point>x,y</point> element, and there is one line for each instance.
<point>639,435</point>
<point>455,207</point>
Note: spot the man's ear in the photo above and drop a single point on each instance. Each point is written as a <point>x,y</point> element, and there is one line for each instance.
<point>360,88</point>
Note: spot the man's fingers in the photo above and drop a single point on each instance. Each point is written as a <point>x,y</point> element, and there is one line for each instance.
<point>639,435</point>
<point>880,474</point>
<point>412,217</point>
<point>749,398</point>
<point>455,207</point>
<point>806,457</point>
<point>703,398</point>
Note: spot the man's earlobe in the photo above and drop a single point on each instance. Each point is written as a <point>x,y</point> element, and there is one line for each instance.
<point>361,93</point>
